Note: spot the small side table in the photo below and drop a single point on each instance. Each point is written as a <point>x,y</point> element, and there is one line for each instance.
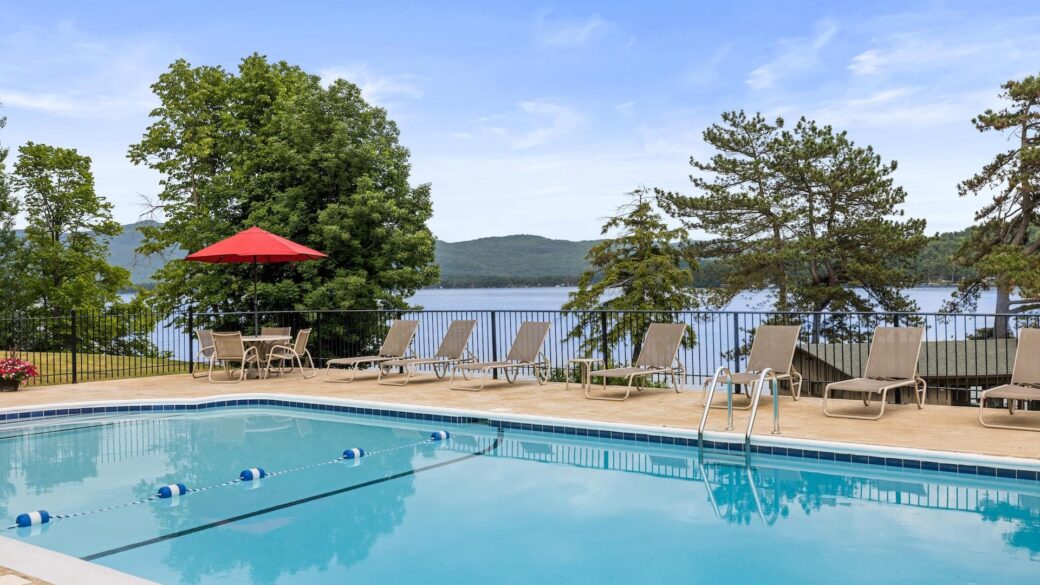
<point>584,371</point>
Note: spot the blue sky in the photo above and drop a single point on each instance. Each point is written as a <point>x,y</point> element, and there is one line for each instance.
<point>534,117</point>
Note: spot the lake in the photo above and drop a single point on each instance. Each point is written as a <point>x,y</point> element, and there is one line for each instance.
<point>929,299</point>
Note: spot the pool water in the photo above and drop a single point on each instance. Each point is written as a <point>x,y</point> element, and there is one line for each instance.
<point>490,506</point>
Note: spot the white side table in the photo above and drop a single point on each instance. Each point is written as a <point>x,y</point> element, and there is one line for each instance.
<point>584,371</point>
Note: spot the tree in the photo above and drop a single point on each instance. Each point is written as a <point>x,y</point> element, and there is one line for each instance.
<point>646,266</point>
<point>804,213</point>
<point>9,244</point>
<point>64,255</point>
<point>62,263</point>
<point>272,147</point>
<point>1003,247</point>
<point>739,201</point>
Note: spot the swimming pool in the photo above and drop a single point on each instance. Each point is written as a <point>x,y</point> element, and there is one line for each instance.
<point>491,505</point>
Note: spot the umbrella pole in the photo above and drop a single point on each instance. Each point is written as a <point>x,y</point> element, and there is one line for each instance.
<point>256,305</point>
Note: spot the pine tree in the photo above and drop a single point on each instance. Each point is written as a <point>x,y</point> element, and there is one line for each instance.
<point>1003,247</point>
<point>645,266</point>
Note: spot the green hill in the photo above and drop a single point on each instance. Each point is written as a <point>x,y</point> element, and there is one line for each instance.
<point>526,260</point>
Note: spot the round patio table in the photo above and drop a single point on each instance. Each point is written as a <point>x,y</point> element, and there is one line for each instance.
<point>263,345</point>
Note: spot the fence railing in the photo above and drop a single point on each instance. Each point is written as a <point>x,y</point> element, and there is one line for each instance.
<point>962,353</point>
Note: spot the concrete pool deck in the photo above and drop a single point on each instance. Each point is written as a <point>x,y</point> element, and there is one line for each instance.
<point>939,428</point>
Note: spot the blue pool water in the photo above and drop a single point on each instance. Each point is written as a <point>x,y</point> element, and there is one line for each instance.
<point>491,506</point>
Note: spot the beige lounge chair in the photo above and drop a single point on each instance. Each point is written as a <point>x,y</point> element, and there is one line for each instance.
<point>1025,380</point>
<point>228,348</point>
<point>891,364</point>
<point>291,353</point>
<point>659,355</point>
<point>454,349</point>
<point>526,352</point>
<point>773,348</point>
<point>396,345</point>
<point>205,348</point>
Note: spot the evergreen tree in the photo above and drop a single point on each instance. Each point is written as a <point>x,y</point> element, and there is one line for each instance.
<point>803,213</point>
<point>1003,247</point>
<point>274,148</point>
<point>645,266</point>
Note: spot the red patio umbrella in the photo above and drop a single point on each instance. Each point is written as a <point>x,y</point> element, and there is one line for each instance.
<point>254,246</point>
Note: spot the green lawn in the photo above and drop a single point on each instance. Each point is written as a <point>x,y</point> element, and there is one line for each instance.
<point>56,367</point>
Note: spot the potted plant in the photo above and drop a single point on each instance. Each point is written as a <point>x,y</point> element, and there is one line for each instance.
<point>14,371</point>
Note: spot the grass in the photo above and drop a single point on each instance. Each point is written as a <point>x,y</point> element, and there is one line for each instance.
<point>56,367</point>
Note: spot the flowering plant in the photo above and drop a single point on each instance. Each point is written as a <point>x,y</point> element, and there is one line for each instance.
<point>17,370</point>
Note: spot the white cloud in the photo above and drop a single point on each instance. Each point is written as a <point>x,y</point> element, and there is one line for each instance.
<point>568,32</point>
<point>795,55</point>
<point>377,88</point>
<point>552,120</point>
<point>625,108</point>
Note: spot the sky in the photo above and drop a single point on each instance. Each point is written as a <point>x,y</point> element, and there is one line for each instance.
<point>535,117</point>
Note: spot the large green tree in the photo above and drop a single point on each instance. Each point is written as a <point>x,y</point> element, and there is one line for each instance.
<point>64,254</point>
<point>803,213</point>
<point>272,147</point>
<point>9,244</point>
<point>644,265</point>
<point>1004,246</point>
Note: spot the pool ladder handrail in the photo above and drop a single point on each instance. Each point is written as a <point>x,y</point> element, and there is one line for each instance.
<point>756,393</point>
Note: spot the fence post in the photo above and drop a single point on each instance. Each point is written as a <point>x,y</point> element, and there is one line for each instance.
<point>75,344</point>
<point>191,339</point>
<point>736,342</point>
<point>603,338</point>
<point>317,331</point>
<point>494,345</point>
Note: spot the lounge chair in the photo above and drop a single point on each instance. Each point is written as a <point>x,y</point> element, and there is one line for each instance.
<point>294,352</point>
<point>454,349</point>
<point>772,348</point>
<point>205,348</point>
<point>659,355</point>
<point>891,364</point>
<point>396,345</point>
<point>229,348</point>
<point>1025,380</point>
<point>526,352</point>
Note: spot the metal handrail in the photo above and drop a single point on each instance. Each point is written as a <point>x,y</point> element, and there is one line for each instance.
<point>755,395</point>
<point>707,403</point>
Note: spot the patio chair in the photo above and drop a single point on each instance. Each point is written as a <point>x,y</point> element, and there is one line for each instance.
<point>454,349</point>
<point>772,348</point>
<point>205,349</point>
<point>1025,380</point>
<point>228,348</point>
<point>891,364</point>
<point>295,352</point>
<point>395,345</point>
<point>526,352</point>
<point>265,348</point>
<point>658,355</point>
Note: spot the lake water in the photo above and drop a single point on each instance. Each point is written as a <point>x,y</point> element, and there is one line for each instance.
<point>929,299</point>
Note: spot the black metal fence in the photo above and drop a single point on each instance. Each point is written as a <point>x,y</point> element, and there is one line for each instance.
<point>961,354</point>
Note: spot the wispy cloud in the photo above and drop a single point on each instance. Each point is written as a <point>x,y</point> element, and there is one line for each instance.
<point>551,32</point>
<point>794,55</point>
<point>551,121</point>
<point>378,88</point>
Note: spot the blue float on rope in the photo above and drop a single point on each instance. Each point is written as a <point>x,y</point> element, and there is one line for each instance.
<point>174,489</point>
<point>32,518</point>
<point>252,474</point>
<point>439,435</point>
<point>355,453</point>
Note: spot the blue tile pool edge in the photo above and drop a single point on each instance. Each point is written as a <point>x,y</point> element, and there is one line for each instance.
<point>941,461</point>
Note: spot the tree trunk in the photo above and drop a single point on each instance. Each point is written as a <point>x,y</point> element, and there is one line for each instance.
<point>1003,307</point>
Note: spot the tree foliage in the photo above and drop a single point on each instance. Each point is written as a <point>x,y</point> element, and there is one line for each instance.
<point>270,146</point>
<point>1004,244</point>
<point>9,243</point>
<point>645,266</point>
<point>804,213</point>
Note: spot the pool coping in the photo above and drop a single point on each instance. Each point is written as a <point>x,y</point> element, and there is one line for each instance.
<point>893,457</point>
<point>60,568</point>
